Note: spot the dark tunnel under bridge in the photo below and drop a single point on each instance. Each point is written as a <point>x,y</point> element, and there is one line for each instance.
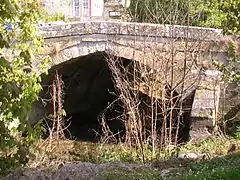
<point>90,94</point>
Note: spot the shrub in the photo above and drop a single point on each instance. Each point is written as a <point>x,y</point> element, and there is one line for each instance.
<point>19,81</point>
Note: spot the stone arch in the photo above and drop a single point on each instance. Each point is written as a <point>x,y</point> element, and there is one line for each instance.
<point>88,85</point>
<point>65,50</point>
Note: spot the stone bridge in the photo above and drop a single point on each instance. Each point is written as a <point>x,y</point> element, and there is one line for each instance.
<point>154,45</point>
<point>128,40</point>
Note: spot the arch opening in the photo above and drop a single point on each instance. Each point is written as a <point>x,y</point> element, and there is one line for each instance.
<point>90,97</point>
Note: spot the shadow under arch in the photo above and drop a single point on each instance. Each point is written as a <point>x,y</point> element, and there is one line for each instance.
<point>89,90</point>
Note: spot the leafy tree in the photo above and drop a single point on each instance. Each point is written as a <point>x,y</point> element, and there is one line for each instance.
<point>208,13</point>
<point>217,14</point>
<point>160,11</point>
<point>231,24</point>
<point>19,80</point>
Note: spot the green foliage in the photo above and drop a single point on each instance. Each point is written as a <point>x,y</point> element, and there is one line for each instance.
<point>124,174</point>
<point>217,14</point>
<point>207,13</point>
<point>231,71</point>
<point>160,11</point>
<point>237,134</point>
<point>92,152</point>
<point>104,153</point>
<point>210,146</point>
<point>226,173</point>
<point>19,81</point>
<point>231,24</point>
<point>231,74</point>
<point>226,168</point>
<point>54,17</point>
<point>65,151</point>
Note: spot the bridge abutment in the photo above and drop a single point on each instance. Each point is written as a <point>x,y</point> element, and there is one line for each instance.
<point>205,107</point>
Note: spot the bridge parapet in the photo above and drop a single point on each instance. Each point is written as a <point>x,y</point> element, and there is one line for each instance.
<point>125,39</point>
<point>131,29</point>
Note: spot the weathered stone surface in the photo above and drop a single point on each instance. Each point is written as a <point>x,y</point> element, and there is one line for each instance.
<point>200,129</point>
<point>138,41</point>
<point>206,101</point>
<point>185,51</point>
<point>192,156</point>
<point>205,105</point>
<point>128,28</point>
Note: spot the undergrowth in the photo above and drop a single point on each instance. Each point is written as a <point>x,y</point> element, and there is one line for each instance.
<point>123,174</point>
<point>226,168</point>
<point>220,165</point>
<point>67,150</point>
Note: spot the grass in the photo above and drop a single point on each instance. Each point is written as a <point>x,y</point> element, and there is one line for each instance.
<point>225,168</point>
<point>212,146</point>
<point>85,151</point>
<point>68,150</point>
<point>219,166</point>
<point>123,174</point>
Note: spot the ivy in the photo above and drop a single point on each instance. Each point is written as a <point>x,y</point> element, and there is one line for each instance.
<point>231,70</point>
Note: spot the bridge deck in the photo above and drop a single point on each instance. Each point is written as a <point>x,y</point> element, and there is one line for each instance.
<point>132,29</point>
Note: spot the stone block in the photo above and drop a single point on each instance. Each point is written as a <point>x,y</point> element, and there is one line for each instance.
<point>74,52</point>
